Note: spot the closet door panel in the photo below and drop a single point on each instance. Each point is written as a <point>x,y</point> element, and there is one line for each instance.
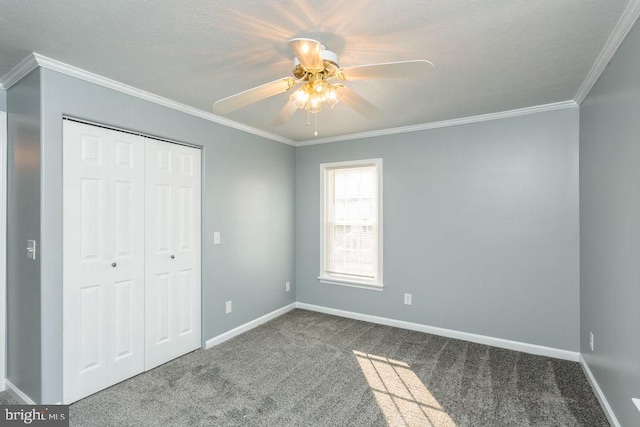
<point>162,295</point>
<point>91,326</point>
<point>85,271</point>
<point>186,310</point>
<point>126,243</point>
<point>159,242</point>
<point>187,247</point>
<point>103,211</point>
<point>123,332</point>
<point>173,252</point>
<point>188,233</point>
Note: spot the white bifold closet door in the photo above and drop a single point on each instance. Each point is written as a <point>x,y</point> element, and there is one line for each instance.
<point>131,256</point>
<point>172,270</point>
<point>103,258</point>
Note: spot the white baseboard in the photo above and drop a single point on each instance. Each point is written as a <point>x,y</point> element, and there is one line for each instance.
<point>599,394</point>
<point>248,326</point>
<point>449,333</point>
<point>26,399</point>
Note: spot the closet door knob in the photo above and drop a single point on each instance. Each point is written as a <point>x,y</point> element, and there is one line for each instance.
<point>173,256</point>
<point>113,264</point>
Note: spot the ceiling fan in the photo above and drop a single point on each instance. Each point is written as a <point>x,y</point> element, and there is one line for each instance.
<point>317,80</point>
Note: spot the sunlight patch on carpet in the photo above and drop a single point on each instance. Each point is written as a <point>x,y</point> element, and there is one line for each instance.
<point>402,397</point>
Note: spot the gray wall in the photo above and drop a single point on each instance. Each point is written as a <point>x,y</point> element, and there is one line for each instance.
<point>480,225</point>
<point>610,229</point>
<point>23,222</point>
<point>3,100</point>
<point>248,195</point>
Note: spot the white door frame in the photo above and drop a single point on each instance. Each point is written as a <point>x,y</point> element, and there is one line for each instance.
<point>3,247</point>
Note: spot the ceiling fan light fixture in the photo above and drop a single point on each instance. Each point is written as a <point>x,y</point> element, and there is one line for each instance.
<point>300,97</point>
<point>332,97</point>
<point>314,93</point>
<point>314,105</point>
<point>319,86</point>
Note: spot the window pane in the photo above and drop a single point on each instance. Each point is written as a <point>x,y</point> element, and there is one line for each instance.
<point>353,250</point>
<point>351,231</point>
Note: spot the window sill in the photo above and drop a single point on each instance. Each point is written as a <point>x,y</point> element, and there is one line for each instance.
<point>351,284</point>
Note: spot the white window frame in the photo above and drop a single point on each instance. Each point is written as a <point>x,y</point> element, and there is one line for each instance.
<point>336,279</point>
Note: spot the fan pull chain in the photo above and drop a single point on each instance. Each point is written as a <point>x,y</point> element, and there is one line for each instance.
<point>315,132</point>
<point>308,119</point>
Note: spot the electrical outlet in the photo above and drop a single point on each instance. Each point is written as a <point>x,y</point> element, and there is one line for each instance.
<point>591,340</point>
<point>407,299</point>
<point>287,286</point>
<point>228,307</point>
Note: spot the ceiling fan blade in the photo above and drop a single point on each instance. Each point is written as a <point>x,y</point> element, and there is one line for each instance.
<point>358,103</point>
<point>308,53</point>
<point>252,95</point>
<point>285,114</point>
<point>416,68</point>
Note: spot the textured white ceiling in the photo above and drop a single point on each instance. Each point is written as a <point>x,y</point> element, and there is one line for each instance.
<point>490,55</point>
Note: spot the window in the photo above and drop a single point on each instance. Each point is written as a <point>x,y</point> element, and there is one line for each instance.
<point>351,223</point>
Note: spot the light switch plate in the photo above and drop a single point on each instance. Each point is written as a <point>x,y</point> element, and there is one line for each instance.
<point>31,249</point>
<point>216,237</point>
<point>228,307</point>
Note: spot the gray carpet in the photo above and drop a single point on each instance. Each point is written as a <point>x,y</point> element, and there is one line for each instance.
<point>311,369</point>
<point>8,398</point>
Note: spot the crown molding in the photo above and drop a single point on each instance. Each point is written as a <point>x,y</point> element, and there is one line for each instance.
<point>445,123</point>
<point>24,67</point>
<point>79,73</point>
<point>34,60</point>
<point>620,31</point>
